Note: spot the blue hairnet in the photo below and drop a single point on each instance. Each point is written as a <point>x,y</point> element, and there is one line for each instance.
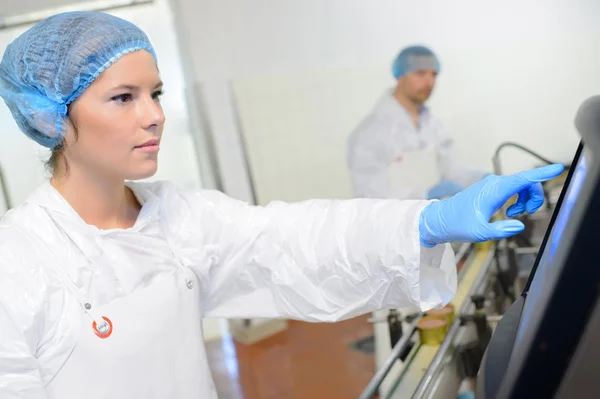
<point>414,58</point>
<point>50,65</point>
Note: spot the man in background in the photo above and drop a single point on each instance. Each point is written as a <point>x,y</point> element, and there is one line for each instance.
<point>400,150</point>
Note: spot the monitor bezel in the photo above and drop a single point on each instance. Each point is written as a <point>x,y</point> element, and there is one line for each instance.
<point>555,213</point>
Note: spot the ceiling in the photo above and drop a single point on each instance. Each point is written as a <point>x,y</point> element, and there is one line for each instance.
<point>19,7</point>
<point>24,12</point>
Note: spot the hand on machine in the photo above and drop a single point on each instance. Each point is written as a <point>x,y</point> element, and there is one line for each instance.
<point>466,216</point>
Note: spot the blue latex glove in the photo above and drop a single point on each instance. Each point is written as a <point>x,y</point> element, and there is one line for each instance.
<point>465,217</point>
<point>445,188</point>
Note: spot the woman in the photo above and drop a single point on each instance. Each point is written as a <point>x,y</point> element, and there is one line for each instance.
<point>103,283</point>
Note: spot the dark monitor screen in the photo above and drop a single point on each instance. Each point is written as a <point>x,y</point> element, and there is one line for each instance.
<point>546,272</point>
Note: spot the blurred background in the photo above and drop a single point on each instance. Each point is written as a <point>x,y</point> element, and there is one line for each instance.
<point>261,97</point>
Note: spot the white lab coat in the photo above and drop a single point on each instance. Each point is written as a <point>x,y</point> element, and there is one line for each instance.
<point>385,137</point>
<point>317,260</point>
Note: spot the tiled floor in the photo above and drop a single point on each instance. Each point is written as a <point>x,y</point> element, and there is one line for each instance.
<point>307,361</point>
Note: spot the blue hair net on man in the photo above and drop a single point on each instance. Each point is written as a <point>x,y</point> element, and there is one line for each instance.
<point>50,65</point>
<point>415,58</point>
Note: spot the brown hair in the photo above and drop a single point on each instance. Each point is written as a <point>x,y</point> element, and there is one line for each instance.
<point>55,156</point>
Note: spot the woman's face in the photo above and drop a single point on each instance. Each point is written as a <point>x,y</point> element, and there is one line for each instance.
<point>118,121</point>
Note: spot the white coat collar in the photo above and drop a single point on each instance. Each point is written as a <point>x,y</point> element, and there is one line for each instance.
<point>47,197</point>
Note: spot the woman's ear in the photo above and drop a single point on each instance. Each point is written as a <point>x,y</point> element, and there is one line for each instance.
<point>71,133</point>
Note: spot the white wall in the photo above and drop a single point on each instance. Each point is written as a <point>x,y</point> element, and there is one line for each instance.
<point>513,70</point>
<point>234,38</point>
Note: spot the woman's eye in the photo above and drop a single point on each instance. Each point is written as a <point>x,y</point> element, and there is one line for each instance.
<point>122,98</point>
<point>157,94</point>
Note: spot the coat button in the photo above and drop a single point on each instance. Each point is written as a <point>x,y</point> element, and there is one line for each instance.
<point>190,284</point>
<point>103,329</point>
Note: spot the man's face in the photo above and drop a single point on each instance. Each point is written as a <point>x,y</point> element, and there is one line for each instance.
<point>418,85</point>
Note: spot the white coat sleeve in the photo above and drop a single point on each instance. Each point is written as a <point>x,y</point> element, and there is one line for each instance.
<point>450,168</point>
<point>370,153</point>
<point>318,260</point>
<point>19,373</point>
<point>19,329</point>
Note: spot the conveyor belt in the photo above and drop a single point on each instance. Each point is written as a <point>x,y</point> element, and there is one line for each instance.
<point>423,355</point>
<point>393,371</point>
